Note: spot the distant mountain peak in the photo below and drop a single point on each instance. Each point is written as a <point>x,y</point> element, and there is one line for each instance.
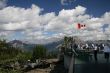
<point>16,41</point>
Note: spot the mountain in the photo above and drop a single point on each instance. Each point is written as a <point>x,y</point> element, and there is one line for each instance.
<point>99,41</point>
<point>52,46</point>
<point>29,47</point>
<point>21,45</point>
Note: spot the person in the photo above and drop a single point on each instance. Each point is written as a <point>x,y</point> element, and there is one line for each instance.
<point>87,46</point>
<point>75,46</point>
<point>93,46</point>
<point>101,46</point>
<point>106,52</point>
<point>82,47</point>
<point>95,52</point>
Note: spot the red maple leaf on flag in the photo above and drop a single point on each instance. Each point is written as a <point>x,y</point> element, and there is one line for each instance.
<point>81,26</point>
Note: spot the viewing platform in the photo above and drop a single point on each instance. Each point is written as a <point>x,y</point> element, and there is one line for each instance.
<point>85,62</point>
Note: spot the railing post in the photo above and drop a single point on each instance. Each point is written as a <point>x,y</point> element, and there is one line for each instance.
<point>72,64</point>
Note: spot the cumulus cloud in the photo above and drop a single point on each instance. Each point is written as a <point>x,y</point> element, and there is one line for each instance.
<point>63,2</point>
<point>67,2</point>
<point>3,3</point>
<point>49,27</point>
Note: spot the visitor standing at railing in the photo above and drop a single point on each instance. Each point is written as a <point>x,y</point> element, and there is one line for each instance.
<point>106,52</point>
<point>95,52</point>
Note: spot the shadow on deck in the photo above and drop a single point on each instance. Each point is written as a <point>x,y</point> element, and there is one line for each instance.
<point>92,68</point>
<point>86,65</point>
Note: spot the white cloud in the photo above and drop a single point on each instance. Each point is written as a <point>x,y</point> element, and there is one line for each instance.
<point>34,26</point>
<point>6,34</point>
<point>63,2</point>
<point>79,10</point>
<point>14,26</point>
<point>15,15</point>
<point>67,2</point>
<point>106,18</point>
<point>3,3</point>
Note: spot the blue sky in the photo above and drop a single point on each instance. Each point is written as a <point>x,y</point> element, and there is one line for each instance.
<point>94,7</point>
<point>25,20</point>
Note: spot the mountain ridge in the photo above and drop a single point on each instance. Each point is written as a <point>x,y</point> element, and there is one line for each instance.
<point>50,46</point>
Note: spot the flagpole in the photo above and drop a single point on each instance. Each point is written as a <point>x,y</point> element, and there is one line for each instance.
<point>96,34</point>
<point>79,27</point>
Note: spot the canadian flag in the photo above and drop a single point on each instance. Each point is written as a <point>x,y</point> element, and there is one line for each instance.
<point>81,26</point>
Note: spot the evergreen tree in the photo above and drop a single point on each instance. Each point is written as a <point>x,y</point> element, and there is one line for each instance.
<point>39,52</point>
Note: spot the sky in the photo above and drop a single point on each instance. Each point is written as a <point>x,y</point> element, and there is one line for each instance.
<point>46,21</point>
